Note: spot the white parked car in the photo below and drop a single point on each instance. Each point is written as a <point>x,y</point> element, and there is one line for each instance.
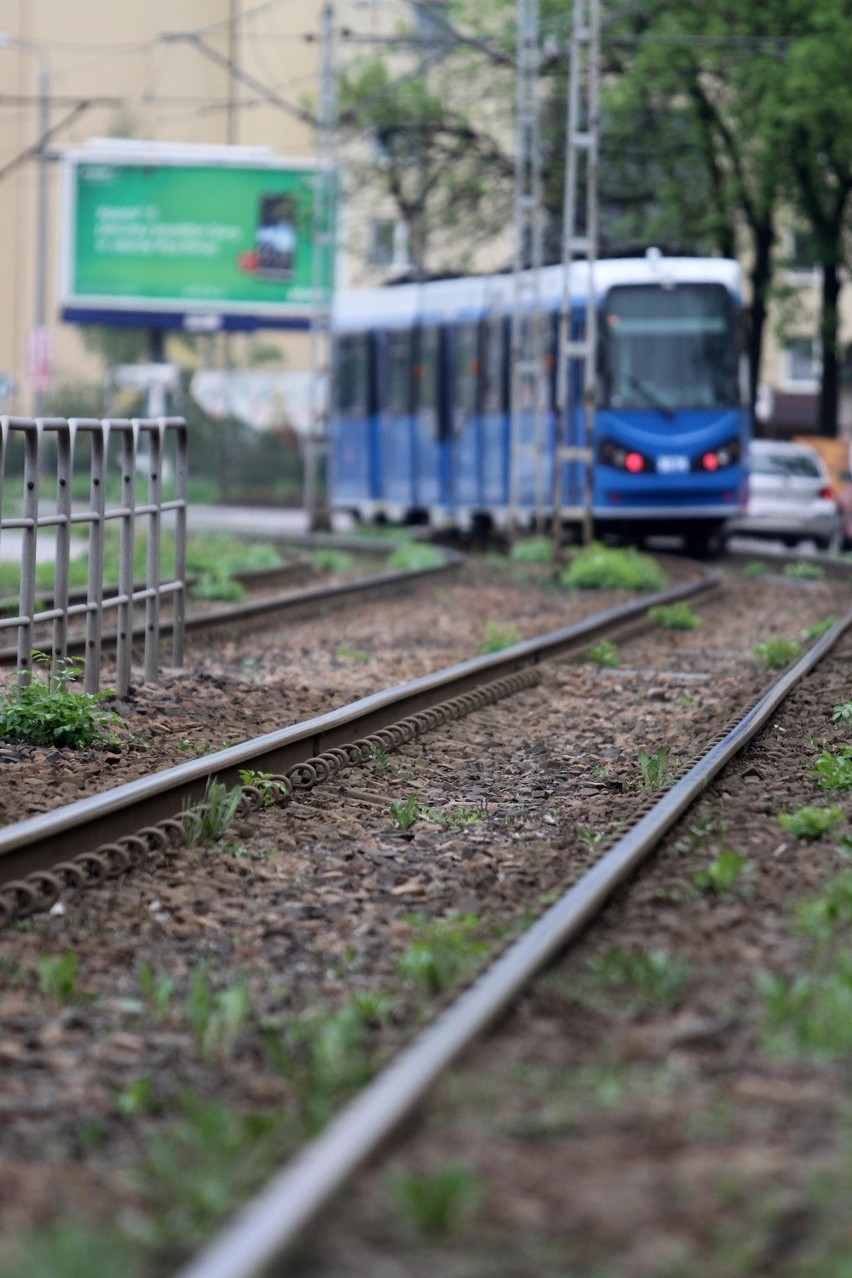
<point>790,497</point>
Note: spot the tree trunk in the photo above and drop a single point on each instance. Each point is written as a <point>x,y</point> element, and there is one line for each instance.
<point>828,391</point>
<point>761,277</point>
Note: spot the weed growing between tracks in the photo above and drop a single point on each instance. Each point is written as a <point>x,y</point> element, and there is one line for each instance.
<point>52,713</point>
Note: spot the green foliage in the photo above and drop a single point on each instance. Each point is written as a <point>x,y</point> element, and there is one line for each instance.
<point>842,713</point>
<point>439,166</point>
<point>777,653</point>
<point>834,769</point>
<point>656,978</point>
<point>324,1057</point>
<point>811,1012</point>
<point>532,550</point>
<point>272,789</point>
<point>218,1017</point>
<point>755,568</point>
<point>676,616</point>
<point>415,557</point>
<point>722,874</point>
<point>436,1201</point>
<point>50,714</point>
<point>218,586</point>
<point>405,812</point>
<point>604,654</point>
<point>72,1250</point>
<point>498,637</point>
<point>218,553</point>
<point>654,769</point>
<point>57,976</point>
<point>200,1170</point>
<point>380,759</point>
<point>804,572</point>
<point>811,822</point>
<point>456,818</point>
<point>208,820</point>
<point>355,655</point>
<point>599,567</point>
<point>444,952</point>
<point>332,561</point>
<point>828,915</point>
<point>157,990</point>
<point>138,1097</point>
<point>819,628</point>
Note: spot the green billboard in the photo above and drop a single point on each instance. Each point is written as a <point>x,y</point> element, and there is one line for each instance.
<point>159,241</point>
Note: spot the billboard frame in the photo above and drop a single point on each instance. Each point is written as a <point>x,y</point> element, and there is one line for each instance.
<point>192,315</point>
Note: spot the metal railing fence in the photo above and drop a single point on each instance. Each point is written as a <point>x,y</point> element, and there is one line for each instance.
<point>115,454</point>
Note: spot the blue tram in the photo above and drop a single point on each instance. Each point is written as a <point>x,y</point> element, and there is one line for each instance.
<point>421,422</point>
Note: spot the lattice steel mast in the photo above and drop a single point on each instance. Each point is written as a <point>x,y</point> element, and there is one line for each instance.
<point>322,273</point>
<point>579,247</point>
<point>528,374</point>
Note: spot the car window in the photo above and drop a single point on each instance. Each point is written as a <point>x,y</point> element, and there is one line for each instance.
<point>797,464</point>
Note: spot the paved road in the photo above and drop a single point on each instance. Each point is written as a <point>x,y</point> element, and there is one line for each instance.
<point>262,520</point>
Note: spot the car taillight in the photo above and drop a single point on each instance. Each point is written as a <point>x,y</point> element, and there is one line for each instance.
<point>710,461</point>
<point>634,462</point>
<point>828,492</point>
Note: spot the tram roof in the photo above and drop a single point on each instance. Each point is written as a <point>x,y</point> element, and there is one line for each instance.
<point>473,296</point>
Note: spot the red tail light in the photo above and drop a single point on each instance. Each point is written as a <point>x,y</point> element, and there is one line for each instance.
<point>828,492</point>
<point>710,461</point>
<point>634,462</point>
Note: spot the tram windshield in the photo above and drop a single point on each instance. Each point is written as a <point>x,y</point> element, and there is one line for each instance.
<point>669,348</point>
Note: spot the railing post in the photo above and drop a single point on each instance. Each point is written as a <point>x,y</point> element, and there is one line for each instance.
<point>154,432</point>
<point>65,433</point>
<point>29,532</point>
<point>179,433</point>
<point>124,641</point>
<point>100,433</point>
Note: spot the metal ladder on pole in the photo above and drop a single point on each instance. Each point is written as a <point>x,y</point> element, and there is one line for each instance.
<point>527,446</point>
<point>577,353</point>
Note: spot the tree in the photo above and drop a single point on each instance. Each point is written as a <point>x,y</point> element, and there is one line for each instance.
<point>701,84</point>
<point>441,171</point>
<point>816,117</point>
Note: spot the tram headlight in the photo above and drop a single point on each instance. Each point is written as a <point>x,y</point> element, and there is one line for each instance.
<point>621,458</point>
<point>720,458</point>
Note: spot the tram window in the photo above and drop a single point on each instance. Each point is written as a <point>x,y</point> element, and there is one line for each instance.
<point>669,348</point>
<point>492,358</point>
<point>352,374</point>
<point>427,368</point>
<point>398,395</point>
<point>466,379</point>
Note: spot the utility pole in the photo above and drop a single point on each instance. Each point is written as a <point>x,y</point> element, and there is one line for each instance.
<point>322,275</point>
<point>577,355</point>
<point>39,352</point>
<point>527,458</point>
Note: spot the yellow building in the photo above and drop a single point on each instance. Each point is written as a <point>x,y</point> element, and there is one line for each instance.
<point>187,71</point>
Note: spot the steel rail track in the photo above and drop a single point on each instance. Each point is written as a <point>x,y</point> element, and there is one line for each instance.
<point>234,614</point>
<point>271,1222</point>
<point>131,812</point>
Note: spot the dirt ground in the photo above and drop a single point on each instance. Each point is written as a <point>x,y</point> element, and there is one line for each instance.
<point>625,1120</point>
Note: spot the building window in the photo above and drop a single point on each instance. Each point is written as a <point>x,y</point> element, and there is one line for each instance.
<point>804,362</point>
<point>381,241</point>
<point>802,252</point>
<point>432,24</point>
